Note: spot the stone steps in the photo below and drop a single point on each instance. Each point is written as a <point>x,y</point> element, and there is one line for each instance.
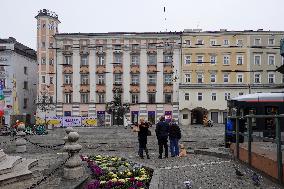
<point>20,172</point>
<point>7,164</point>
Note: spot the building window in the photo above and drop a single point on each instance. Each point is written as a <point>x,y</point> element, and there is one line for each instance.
<point>257,59</point>
<point>271,60</point>
<point>199,42</point>
<point>101,98</point>
<point>117,79</point>
<point>135,79</point>
<point>239,42</point>
<point>135,98</point>
<point>187,42</point>
<point>241,93</point>
<point>26,70</point>
<point>84,97</point>
<point>240,78</point>
<point>51,62</point>
<point>43,79</point>
<point>168,98</point>
<point>271,41</point>
<point>226,42</point>
<point>135,46</point>
<point>118,58</point>
<point>135,60</point>
<point>184,116</point>
<point>187,59</point>
<point>152,79</point>
<point>42,44</point>
<point>199,60</point>
<point>68,79</point>
<point>226,78</point>
<point>168,59</point>
<point>240,60</point>
<point>213,96</point>
<point>101,79</point>
<point>213,59</point>
<point>151,46</point>
<point>226,59</point>
<point>101,60</point>
<point>68,98</point>
<point>43,61</point>
<point>50,44</point>
<point>67,60</point>
<point>186,96</point>
<point>152,98</point>
<point>51,80</point>
<point>257,41</point>
<point>213,78</point>
<point>25,85</point>
<point>25,103</point>
<point>199,96</point>
<point>167,79</point>
<point>227,96</point>
<point>257,78</point>
<point>152,59</point>
<point>84,79</point>
<point>84,60</point>
<point>117,47</point>
<point>271,77</point>
<point>213,42</point>
<point>187,78</point>
<point>199,77</point>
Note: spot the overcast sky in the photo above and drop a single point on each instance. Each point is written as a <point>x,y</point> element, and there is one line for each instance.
<point>17,16</point>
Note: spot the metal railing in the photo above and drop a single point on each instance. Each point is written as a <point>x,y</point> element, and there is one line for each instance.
<point>250,136</point>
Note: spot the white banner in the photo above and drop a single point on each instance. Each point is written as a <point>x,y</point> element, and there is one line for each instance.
<point>71,121</point>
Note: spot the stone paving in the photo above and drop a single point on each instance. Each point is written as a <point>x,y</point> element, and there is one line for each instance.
<point>204,171</point>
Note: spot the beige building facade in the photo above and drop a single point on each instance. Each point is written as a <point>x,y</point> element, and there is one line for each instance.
<point>219,65</point>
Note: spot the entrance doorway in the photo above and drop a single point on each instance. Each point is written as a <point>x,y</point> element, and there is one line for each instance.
<point>225,117</point>
<point>151,117</point>
<point>134,116</point>
<point>197,115</point>
<point>214,117</point>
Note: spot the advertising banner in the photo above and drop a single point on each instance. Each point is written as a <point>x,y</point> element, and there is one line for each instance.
<point>89,121</point>
<point>71,121</point>
<point>56,121</point>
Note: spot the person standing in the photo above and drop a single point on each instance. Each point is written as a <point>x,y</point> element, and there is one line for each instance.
<point>142,138</point>
<point>162,133</point>
<point>126,122</point>
<point>174,135</point>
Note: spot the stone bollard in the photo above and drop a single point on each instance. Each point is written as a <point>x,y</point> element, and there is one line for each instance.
<point>73,167</point>
<point>67,130</point>
<point>20,141</point>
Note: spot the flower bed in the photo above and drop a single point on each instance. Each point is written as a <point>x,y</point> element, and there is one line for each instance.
<point>117,173</point>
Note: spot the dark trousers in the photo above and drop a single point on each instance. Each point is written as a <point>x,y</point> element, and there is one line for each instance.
<point>163,143</point>
<point>174,147</point>
<point>142,146</point>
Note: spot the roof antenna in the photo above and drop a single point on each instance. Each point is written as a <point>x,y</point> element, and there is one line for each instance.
<point>165,17</point>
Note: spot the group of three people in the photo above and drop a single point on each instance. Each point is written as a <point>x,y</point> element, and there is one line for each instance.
<point>164,131</point>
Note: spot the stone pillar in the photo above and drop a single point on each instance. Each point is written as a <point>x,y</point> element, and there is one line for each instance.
<point>20,141</point>
<point>73,167</point>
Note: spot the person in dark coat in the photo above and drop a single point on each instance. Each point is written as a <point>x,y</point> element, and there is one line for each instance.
<point>142,138</point>
<point>162,133</point>
<point>174,135</point>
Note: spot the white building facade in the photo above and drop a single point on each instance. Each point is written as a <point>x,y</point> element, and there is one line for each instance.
<point>18,72</point>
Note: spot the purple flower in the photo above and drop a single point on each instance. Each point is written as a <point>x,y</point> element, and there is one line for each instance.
<point>131,187</point>
<point>139,184</point>
<point>93,184</point>
<point>132,179</point>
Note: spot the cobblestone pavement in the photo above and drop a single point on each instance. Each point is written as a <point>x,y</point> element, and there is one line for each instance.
<point>203,171</point>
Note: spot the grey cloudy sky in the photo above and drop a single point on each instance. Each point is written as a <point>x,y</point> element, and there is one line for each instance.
<point>17,16</point>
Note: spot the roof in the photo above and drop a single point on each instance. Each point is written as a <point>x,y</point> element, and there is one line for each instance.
<point>256,97</point>
<point>20,48</point>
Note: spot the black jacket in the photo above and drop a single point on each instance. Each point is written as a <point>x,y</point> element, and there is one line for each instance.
<point>174,131</point>
<point>162,130</point>
<point>143,133</point>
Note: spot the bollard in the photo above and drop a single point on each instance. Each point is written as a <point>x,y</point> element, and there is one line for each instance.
<point>73,167</point>
<point>20,141</point>
<point>67,130</point>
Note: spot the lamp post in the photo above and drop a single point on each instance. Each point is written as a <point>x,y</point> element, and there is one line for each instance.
<point>116,107</point>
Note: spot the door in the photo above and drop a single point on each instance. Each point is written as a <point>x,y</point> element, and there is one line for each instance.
<point>152,117</point>
<point>225,117</point>
<point>101,118</point>
<point>214,117</point>
<point>134,116</point>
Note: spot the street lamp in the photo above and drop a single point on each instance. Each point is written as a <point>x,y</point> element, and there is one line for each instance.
<point>116,107</point>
